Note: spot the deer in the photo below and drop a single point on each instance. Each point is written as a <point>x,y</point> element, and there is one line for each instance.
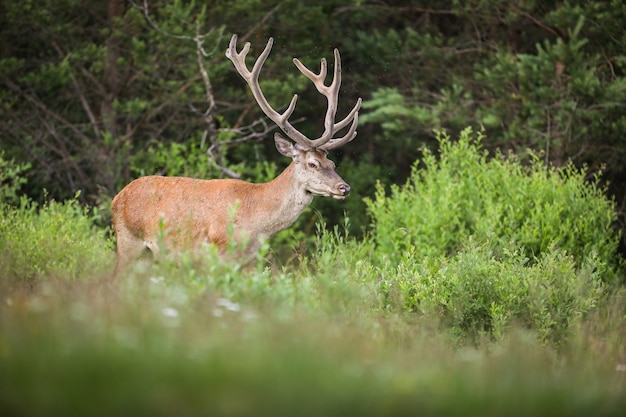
<point>185,213</point>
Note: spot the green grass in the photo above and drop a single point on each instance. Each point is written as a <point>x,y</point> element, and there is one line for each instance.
<point>156,346</point>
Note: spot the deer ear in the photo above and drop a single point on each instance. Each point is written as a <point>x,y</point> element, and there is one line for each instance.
<point>284,146</point>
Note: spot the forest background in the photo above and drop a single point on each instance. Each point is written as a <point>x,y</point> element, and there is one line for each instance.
<point>97,93</point>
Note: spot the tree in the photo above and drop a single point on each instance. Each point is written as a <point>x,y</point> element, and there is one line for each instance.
<point>83,97</point>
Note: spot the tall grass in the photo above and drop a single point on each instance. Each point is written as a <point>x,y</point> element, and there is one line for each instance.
<point>348,330</point>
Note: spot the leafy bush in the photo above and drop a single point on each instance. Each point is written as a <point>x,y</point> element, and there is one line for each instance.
<point>11,179</point>
<point>483,243</point>
<point>173,159</point>
<point>190,159</point>
<point>53,239</point>
<point>495,200</point>
<point>477,293</point>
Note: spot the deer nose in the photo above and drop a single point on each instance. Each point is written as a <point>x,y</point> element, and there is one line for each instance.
<point>344,189</point>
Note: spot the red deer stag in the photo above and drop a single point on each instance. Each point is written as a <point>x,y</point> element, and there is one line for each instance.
<point>187,211</point>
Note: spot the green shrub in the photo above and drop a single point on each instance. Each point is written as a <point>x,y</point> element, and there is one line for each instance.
<point>53,239</point>
<point>477,293</point>
<point>485,243</point>
<point>495,200</point>
<point>173,159</point>
<point>11,179</point>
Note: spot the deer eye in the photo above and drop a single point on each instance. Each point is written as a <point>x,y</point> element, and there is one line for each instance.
<point>312,165</point>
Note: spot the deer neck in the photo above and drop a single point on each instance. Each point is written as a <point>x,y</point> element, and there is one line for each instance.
<point>285,198</point>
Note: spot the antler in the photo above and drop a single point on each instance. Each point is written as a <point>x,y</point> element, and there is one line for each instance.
<point>331,92</point>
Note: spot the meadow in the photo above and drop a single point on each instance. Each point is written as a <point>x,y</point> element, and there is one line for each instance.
<point>485,286</point>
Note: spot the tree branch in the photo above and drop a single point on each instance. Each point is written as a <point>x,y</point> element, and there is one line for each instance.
<point>265,18</point>
<point>79,92</point>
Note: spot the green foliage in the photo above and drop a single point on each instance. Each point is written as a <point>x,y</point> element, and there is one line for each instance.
<point>484,243</point>
<point>557,84</point>
<point>464,194</point>
<point>390,111</point>
<point>481,293</point>
<point>98,93</point>
<point>11,180</point>
<point>148,351</point>
<point>173,159</point>
<point>55,239</point>
<point>559,91</point>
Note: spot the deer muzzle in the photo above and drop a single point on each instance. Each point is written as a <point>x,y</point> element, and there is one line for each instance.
<point>343,190</point>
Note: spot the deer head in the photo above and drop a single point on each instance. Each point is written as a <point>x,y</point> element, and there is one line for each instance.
<point>313,168</point>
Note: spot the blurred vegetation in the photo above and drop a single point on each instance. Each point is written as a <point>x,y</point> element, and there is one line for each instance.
<point>95,94</point>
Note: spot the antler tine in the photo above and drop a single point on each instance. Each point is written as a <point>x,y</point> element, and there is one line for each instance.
<point>318,79</point>
<point>331,93</point>
<point>252,79</point>
<point>351,134</point>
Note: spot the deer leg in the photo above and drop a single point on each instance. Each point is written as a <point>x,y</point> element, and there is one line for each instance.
<point>129,248</point>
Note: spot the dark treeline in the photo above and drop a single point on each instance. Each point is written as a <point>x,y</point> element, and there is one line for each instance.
<point>96,93</point>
